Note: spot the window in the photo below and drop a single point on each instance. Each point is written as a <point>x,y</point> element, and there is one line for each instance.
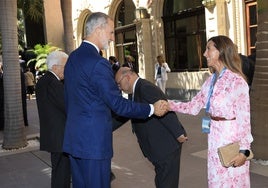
<point>185,36</point>
<point>125,32</point>
<point>125,13</point>
<point>251,25</point>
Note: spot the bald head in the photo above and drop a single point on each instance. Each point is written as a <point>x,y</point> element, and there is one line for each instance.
<point>125,78</point>
<point>122,71</point>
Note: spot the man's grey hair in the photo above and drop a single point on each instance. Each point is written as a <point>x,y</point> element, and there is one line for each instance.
<point>95,20</point>
<point>54,58</point>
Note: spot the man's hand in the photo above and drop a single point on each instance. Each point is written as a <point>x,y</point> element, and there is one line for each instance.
<point>160,107</point>
<point>182,138</point>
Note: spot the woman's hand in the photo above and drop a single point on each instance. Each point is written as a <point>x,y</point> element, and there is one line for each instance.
<point>238,160</point>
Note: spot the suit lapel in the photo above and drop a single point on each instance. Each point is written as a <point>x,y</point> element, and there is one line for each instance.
<point>137,90</point>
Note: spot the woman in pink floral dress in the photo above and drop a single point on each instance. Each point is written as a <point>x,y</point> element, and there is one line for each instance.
<point>228,110</point>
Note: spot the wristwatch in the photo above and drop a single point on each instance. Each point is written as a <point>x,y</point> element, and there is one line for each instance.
<point>245,152</point>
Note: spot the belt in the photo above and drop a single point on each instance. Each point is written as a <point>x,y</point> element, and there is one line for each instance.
<point>215,118</point>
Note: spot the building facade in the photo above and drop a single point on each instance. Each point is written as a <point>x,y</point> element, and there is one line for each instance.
<point>179,30</point>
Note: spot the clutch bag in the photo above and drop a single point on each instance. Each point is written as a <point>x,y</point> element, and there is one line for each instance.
<point>228,152</point>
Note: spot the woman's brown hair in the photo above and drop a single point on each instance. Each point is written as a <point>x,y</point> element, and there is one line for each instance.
<point>228,54</point>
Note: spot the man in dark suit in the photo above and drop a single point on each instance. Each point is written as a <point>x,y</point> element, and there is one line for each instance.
<point>90,95</point>
<point>160,138</point>
<point>247,68</point>
<point>52,115</point>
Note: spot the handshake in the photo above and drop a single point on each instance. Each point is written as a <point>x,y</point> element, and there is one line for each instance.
<point>161,107</point>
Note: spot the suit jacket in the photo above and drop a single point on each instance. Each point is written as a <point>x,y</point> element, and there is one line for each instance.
<point>91,94</point>
<point>157,136</point>
<point>51,110</point>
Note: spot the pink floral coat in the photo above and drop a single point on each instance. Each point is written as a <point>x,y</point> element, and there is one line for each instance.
<point>230,99</point>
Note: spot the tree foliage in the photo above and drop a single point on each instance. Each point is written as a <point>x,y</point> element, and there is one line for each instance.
<point>32,8</point>
<point>41,52</point>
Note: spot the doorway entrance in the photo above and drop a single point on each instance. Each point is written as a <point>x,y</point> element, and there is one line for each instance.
<point>126,43</point>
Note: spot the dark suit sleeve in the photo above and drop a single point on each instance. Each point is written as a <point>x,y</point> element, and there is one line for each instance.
<point>118,121</point>
<point>150,93</point>
<point>172,123</point>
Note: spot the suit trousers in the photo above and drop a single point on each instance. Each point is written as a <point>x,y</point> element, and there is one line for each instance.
<point>90,173</point>
<point>61,170</point>
<point>168,171</point>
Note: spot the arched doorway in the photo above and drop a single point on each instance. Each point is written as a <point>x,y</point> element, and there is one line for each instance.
<point>125,32</point>
<point>81,25</point>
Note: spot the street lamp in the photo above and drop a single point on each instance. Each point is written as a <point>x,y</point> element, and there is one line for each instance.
<point>141,13</point>
<point>209,4</point>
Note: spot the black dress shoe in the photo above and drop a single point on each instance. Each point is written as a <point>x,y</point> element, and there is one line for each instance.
<point>112,176</point>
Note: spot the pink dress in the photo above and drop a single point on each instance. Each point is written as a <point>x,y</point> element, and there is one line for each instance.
<point>230,99</point>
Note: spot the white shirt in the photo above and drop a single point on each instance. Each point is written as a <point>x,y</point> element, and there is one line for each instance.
<point>133,92</point>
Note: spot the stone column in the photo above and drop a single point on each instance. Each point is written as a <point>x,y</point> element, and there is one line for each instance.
<point>222,18</point>
<point>217,20</point>
<point>144,47</point>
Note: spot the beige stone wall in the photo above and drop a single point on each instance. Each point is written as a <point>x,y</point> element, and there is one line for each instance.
<point>145,49</point>
<point>187,80</point>
<point>223,19</point>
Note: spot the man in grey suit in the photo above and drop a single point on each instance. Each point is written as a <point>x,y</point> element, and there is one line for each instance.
<point>52,115</point>
<point>160,138</point>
